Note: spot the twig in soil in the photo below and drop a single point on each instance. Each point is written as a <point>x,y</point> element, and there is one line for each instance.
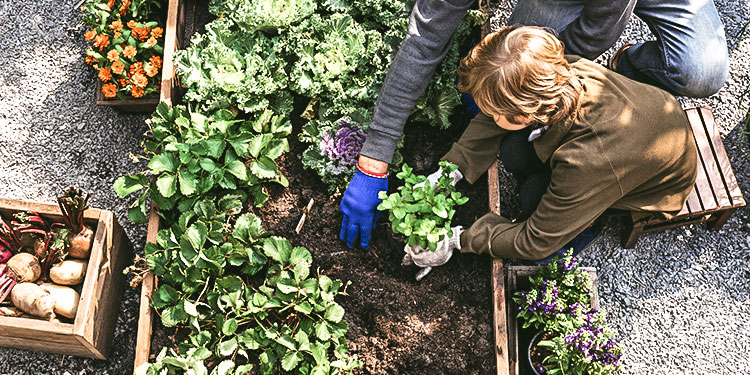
<point>609,252</point>
<point>337,253</point>
<point>304,215</point>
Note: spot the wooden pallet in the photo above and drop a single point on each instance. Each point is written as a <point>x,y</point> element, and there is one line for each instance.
<point>716,194</point>
<point>91,333</point>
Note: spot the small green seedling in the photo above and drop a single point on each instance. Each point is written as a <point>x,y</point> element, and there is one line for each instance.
<point>423,213</point>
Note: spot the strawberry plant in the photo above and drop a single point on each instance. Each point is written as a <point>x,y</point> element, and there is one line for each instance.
<point>422,212</point>
<point>193,155</point>
<point>246,297</point>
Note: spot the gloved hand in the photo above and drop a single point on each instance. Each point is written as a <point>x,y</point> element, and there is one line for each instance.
<point>433,178</point>
<point>359,207</point>
<point>427,259</point>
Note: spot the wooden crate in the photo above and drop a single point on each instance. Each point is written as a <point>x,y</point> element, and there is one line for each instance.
<point>518,338</point>
<point>91,333</point>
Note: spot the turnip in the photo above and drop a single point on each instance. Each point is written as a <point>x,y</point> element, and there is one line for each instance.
<point>32,299</point>
<point>66,299</point>
<point>72,204</point>
<point>68,272</point>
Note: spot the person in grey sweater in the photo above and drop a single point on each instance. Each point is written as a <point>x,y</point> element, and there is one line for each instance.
<point>689,58</point>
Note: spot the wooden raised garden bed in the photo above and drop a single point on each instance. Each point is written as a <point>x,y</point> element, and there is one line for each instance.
<point>130,105</point>
<point>176,14</point>
<point>91,333</point>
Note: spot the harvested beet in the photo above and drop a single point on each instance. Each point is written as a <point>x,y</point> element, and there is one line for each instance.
<point>72,204</point>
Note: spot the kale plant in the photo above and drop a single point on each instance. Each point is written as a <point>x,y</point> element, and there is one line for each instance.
<point>267,15</point>
<point>423,213</point>
<point>246,297</point>
<point>229,67</point>
<point>559,303</point>
<point>192,156</point>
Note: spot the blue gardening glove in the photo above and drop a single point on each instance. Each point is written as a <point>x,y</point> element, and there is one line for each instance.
<point>359,206</point>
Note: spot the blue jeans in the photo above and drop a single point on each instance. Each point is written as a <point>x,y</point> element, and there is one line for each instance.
<point>689,56</point>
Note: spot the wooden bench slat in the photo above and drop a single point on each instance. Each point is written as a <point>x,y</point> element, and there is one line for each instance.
<point>708,182</point>
<point>693,202</point>
<point>732,187</point>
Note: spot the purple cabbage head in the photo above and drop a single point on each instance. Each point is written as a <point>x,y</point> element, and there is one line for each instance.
<point>345,145</point>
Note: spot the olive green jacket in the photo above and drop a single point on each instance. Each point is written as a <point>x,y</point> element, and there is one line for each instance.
<point>629,146</point>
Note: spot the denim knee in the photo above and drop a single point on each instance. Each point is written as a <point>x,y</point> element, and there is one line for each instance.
<point>700,75</point>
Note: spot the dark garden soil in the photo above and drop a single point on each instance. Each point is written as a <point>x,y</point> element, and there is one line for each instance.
<point>441,325</point>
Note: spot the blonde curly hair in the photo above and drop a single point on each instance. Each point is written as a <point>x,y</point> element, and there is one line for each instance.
<point>520,72</point>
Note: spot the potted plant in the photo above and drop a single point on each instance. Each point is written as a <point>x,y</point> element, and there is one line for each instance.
<point>420,211</point>
<point>573,337</point>
<point>127,40</point>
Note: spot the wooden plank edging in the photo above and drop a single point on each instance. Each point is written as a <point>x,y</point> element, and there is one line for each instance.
<point>498,284</point>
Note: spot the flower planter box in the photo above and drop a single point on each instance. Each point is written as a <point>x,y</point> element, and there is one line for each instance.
<point>90,334</point>
<point>130,105</point>
<point>519,338</point>
<point>174,28</point>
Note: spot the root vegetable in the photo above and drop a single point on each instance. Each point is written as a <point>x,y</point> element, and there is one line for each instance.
<point>72,204</point>
<point>32,299</point>
<point>68,272</point>
<point>25,267</point>
<point>66,299</point>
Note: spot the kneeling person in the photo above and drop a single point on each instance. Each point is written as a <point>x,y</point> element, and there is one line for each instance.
<point>579,138</point>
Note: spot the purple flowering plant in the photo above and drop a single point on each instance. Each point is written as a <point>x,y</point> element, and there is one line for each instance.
<point>334,150</point>
<point>559,303</point>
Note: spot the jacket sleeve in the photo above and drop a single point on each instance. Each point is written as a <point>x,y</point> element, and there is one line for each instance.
<point>574,199</point>
<point>431,26</point>
<point>477,148</point>
<point>597,28</point>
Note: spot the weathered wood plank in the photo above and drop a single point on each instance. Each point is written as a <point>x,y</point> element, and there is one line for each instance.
<point>145,315</point>
<point>498,283</point>
<point>705,182</point>
<point>733,190</point>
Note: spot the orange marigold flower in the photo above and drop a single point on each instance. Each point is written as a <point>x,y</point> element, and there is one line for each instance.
<point>155,61</point>
<point>136,91</point>
<point>123,82</point>
<point>109,90</point>
<point>151,70</point>
<point>116,25</point>
<point>101,41</point>
<point>151,42</point>
<point>113,55</point>
<point>117,34</point>
<point>105,74</point>
<point>90,60</point>
<point>157,32</point>
<point>124,7</point>
<point>111,3</point>
<point>141,32</point>
<point>90,35</point>
<point>118,67</point>
<point>128,51</point>
<point>137,68</point>
<point>140,80</point>
<point>131,24</point>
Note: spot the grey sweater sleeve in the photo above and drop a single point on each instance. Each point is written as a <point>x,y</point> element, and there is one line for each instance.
<point>597,28</point>
<point>431,27</point>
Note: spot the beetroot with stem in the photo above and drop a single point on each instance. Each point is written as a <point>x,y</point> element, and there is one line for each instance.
<point>33,231</point>
<point>7,281</point>
<point>72,204</point>
<point>9,241</point>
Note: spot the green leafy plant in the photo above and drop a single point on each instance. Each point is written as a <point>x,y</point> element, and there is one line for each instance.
<point>246,297</point>
<point>423,213</point>
<point>192,156</point>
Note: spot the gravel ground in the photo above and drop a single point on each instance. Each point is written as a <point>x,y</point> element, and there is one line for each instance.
<point>679,299</point>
